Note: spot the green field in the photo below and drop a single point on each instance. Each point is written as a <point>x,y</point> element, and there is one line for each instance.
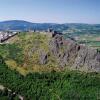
<point>92,40</point>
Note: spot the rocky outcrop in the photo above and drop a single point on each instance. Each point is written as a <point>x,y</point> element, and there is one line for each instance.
<point>88,58</point>
<point>69,53</point>
<point>43,57</point>
<point>55,44</point>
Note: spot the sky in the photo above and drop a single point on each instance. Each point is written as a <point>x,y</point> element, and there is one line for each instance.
<point>51,11</point>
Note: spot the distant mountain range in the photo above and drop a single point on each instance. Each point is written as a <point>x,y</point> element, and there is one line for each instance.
<point>24,26</point>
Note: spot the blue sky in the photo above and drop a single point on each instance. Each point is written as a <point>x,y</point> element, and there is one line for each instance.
<point>54,11</point>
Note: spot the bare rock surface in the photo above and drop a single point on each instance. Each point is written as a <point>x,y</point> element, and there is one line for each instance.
<point>70,53</point>
<point>43,57</point>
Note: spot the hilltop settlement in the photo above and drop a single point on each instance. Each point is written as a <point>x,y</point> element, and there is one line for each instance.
<point>5,35</point>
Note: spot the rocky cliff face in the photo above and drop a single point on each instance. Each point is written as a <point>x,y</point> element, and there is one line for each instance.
<point>68,53</point>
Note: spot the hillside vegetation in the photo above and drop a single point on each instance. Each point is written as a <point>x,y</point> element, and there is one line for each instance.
<point>66,85</point>
<point>22,52</point>
<point>37,67</point>
<point>35,52</point>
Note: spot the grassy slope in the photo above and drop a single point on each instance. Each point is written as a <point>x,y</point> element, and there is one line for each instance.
<point>22,53</point>
<point>18,53</point>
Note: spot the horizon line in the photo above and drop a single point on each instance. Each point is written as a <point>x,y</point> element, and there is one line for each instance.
<point>49,22</point>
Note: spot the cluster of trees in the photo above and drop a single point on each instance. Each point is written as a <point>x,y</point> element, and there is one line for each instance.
<point>69,85</point>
